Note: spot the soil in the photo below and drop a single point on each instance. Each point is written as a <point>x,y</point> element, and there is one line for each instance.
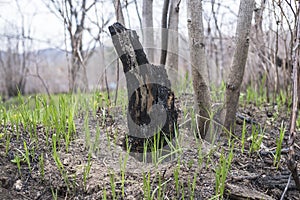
<point>251,175</point>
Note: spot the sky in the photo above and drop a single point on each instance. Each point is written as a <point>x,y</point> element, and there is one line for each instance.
<point>42,24</point>
<point>48,31</point>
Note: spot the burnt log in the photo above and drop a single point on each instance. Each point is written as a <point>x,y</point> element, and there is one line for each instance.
<point>152,115</point>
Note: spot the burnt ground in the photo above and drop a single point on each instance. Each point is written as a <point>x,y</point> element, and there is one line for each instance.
<point>252,175</point>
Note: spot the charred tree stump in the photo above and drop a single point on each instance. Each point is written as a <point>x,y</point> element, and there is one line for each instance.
<point>151,116</point>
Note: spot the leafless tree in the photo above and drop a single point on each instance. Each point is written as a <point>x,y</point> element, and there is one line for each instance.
<point>14,66</point>
<point>74,16</point>
<point>199,66</point>
<point>235,77</point>
<point>14,61</point>
<point>40,78</point>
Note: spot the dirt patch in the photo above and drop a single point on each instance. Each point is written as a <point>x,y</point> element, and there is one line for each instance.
<point>96,165</point>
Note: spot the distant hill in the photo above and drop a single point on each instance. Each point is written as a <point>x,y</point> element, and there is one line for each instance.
<point>51,65</point>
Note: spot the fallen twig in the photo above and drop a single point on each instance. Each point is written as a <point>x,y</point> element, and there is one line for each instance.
<point>286,187</point>
<point>247,119</point>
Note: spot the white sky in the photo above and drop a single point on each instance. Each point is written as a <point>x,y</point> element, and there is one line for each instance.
<point>42,24</point>
<point>48,31</point>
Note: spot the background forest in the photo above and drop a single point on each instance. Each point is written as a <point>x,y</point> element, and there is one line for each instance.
<point>233,66</point>
<point>36,69</point>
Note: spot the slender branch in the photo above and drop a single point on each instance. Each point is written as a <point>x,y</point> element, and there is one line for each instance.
<point>138,14</point>
<point>292,165</point>
<point>292,9</point>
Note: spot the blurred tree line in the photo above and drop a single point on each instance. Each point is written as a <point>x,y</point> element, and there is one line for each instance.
<point>215,55</point>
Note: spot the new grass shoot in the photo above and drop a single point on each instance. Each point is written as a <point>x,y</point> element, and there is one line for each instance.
<point>104,196</point>
<point>222,170</point>
<point>17,160</point>
<point>27,158</point>
<point>279,141</point>
<point>147,186</point>
<point>192,185</point>
<point>257,135</point>
<point>87,131</point>
<point>160,188</point>
<point>54,193</point>
<point>97,137</point>
<point>176,176</point>
<point>244,130</point>
<point>87,170</point>
<point>123,163</point>
<point>58,162</point>
<point>113,184</point>
<point>42,165</point>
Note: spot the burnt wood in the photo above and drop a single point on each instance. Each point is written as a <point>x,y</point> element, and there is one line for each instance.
<point>152,116</point>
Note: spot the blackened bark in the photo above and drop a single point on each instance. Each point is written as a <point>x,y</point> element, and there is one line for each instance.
<point>151,110</point>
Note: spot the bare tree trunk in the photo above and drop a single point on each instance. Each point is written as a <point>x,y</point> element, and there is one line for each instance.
<point>77,77</point>
<point>199,66</point>
<point>148,28</point>
<point>120,18</point>
<point>260,44</point>
<point>119,12</point>
<point>78,81</point>
<point>172,58</point>
<point>237,68</point>
<point>105,70</point>
<point>22,80</point>
<point>164,33</point>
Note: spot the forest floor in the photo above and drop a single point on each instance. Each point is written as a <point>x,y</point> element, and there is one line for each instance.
<point>234,168</point>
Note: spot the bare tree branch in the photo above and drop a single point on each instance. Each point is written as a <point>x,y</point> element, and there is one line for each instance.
<point>292,165</point>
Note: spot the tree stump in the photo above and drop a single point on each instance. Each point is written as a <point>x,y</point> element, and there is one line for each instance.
<point>152,116</point>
